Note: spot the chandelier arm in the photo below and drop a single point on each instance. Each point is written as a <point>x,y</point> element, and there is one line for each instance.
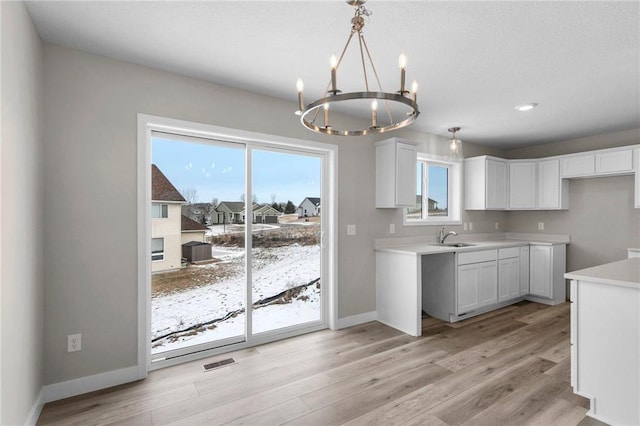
<point>364,68</point>
<point>375,73</point>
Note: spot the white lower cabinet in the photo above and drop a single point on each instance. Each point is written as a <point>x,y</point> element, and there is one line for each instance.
<point>477,283</point>
<point>547,265</point>
<point>524,270</point>
<point>509,278</point>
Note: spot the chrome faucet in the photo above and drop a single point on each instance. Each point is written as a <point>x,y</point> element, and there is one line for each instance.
<point>444,236</point>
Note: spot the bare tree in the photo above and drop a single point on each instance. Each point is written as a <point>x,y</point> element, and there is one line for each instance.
<point>214,202</point>
<point>273,198</point>
<point>190,194</point>
<point>254,198</point>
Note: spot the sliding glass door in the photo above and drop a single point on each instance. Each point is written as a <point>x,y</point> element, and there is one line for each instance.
<point>233,225</point>
<point>286,253</point>
<point>198,284</point>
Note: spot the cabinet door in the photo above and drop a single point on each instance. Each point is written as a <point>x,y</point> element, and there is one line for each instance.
<point>579,165</point>
<point>549,184</point>
<point>406,164</point>
<point>508,279</point>
<point>496,187</point>
<point>614,162</point>
<point>522,185</point>
<point>524,270</point>
<point>487,283</point>
<point>540,271</point>
<point>468,278</point>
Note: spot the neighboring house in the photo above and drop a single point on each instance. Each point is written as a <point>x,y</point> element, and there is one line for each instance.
<point>192,230</point>
<point>166,203</point>
<point>200,212</point>
<point>230,212</point>
<point>433,204</point>
<point>310,206</point>
<point>265,214</point>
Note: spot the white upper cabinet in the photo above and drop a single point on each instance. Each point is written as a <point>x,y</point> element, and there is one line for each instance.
<point>486,183</point>
<point>598,163</point>
<point>493,183</point>
<point>578,165</point>
<point>522,185</point>
<point>553,192</point>
<point>396,162</point>
<point>614,162</point>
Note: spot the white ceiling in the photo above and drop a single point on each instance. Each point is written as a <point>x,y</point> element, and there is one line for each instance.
<point>474,61</point>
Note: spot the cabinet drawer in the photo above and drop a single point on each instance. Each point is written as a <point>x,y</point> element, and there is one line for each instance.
<point>508,252</point>
<point>477,256</point>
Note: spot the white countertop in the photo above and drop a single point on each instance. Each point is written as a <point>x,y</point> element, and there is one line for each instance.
<point>477,244</point>
<point>624,273</point>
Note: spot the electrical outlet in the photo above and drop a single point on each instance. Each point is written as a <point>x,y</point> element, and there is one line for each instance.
<point>351,230</point>
<point>74,342</point>
<point>497,225</point>
<point>392,228</point>
<point>465,226</point>
<point>470,226</point>
<point>540,226</point>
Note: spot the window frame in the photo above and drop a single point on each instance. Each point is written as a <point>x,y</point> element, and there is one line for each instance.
<point>454,192</point>
<point>164,210</point>
<point>157,253</point>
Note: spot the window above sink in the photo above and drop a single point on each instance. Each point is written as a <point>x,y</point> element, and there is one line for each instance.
<point>438,194</point>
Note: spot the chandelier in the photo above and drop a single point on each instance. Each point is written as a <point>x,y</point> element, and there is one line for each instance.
<point>399,109</point>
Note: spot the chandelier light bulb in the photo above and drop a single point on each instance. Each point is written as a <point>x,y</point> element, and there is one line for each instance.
<point>402,61</point>
<point>299,85</point>
<point>333,61</point>
<point>414,90</point>
<point>374,105</point>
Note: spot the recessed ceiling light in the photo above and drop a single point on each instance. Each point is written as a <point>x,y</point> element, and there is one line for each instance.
<point>526,107</point>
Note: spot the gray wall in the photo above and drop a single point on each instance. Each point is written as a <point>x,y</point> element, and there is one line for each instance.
<point>91,104</point>
<point>21,212</point>
<point>601,219</point>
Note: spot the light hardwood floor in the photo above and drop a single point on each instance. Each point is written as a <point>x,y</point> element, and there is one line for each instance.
<point>510,366</point>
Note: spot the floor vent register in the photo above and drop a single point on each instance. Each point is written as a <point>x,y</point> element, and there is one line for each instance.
<point>218,364</point>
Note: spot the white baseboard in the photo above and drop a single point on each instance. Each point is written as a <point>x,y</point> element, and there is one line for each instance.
<point>36,409</point>
<point>357,319</point>
<point>87,384</point>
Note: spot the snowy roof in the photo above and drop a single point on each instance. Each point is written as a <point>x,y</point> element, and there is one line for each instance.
<point>162,189</point>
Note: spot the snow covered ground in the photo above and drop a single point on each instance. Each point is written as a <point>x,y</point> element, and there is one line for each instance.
<point>274,270</point>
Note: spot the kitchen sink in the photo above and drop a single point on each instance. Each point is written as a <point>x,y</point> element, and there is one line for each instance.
<point>452,244</point>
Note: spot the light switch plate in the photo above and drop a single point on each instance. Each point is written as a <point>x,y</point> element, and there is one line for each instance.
<point>392,228</point>
<point>351,230</point>
<point>540,226</point>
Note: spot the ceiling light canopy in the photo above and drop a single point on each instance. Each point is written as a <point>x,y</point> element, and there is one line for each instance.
<point>398,109</point>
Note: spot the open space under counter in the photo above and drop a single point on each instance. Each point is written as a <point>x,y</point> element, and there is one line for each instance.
<point>454,283</point>
<point>605,339</point>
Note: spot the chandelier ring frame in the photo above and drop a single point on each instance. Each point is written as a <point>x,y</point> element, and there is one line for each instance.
<point>393,97</point>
